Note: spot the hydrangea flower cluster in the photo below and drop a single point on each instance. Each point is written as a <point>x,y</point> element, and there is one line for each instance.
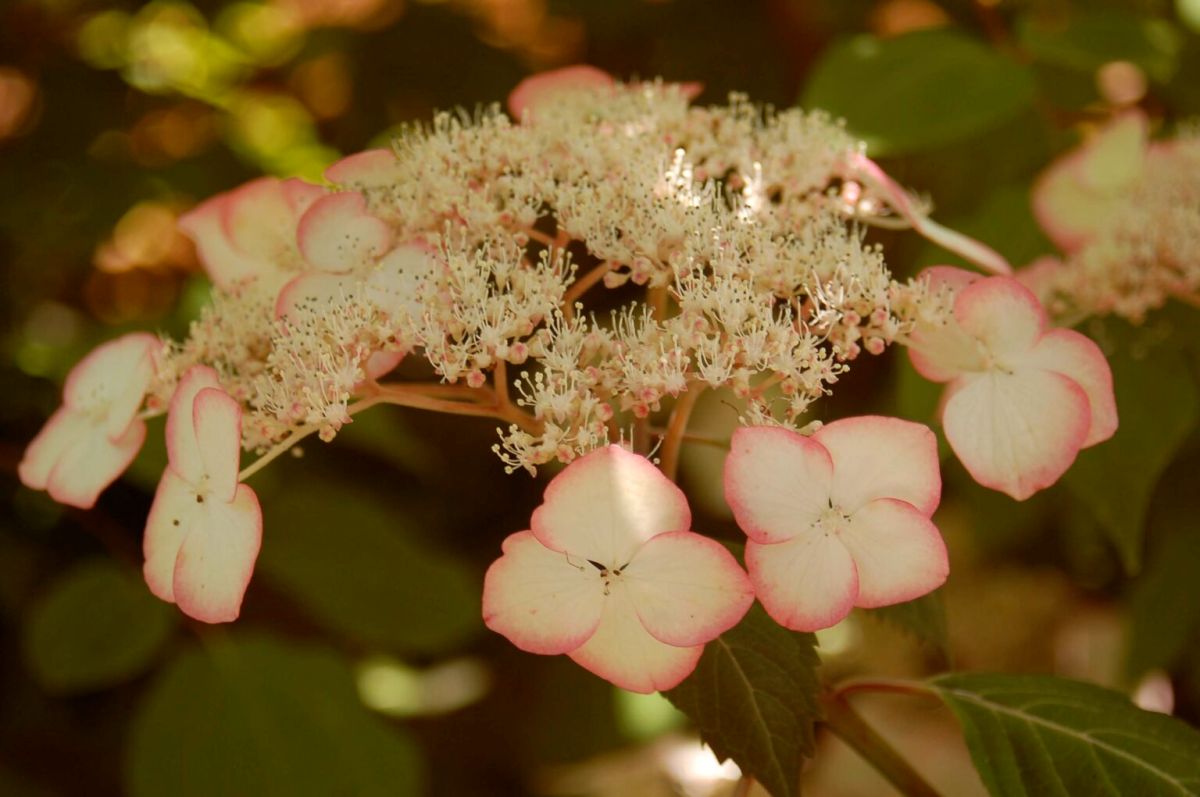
<point>473,243</point>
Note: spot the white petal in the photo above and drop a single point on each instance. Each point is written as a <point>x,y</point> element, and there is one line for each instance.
<point>606,504</point>
<point>541,600</point>
<point>92,464</point>
<point>1077,357</point>
<point>338,234</point>
<point>217,419</point>
<point>878,457</point>
<point>1002,313</point>
<point>312,294</point>
<point>183,452</point>
<point>172,516</point>
<point>261,216</point>
<point>777,482</point>
<point>113,379</point>
<point>395,286</point>
<point>687,589</point>
<point>539,89</point>
<point>1017,433</point>
<point>372,167</point>
<point>216,559</point>
<point>64,429</point>
<point>224,264</point>
<point>622,651</point>
<point>898,553</point>
<point>806,583</point>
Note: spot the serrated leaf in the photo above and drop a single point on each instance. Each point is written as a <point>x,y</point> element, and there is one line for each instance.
<point>1158,404</point>
<point>924,619</point>
<point>1040,735</point>
<point>97,626</point>
<point>753,697</point>
<point>261,716</point>
<point>918,91</point>
<point>351,560</point>
<point>1086,41</point>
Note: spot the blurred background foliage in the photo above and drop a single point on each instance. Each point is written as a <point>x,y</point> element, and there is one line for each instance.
<point>360,665</point>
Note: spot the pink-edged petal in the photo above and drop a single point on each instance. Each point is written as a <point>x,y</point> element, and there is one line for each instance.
<point>92,463</point>
<point>807,583</point>
<point>898,553</point>
<point>64,429</point>
<point>113,377</point>
<point>974,251</point>
<point>945,352</point>
<point>687,589</point>
<point>217,418</point>
<point>878,457</point>
<point>382,363</point>
<point>1002,313</point>
<point>606,504</point>
<point>183,452</point>
<point>225,265</point>
<point>623,652</point>
<point>172,516</point>
<point>777,482</point>
<point>260,217</point>
<point>1076,356</point>
<point>539,599</point>
<point>394,285</point>
<point>216,558</point>
<point>338,233</point>
<point>1017,433</point>
<point>312,293</point>
<point>369,168</point>
<point>538,89</point>
<point>1041,276</point>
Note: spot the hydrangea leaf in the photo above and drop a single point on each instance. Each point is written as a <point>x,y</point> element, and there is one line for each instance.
<point>924,619</point>
<point>95,627</point>
<point>256,715</point>
<point>918,91</point>
<point>1036,735</point>
<point>753,696</point>
<point>1087,41</point>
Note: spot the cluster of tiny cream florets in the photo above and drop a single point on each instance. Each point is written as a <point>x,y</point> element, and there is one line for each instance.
<point>730,219</point>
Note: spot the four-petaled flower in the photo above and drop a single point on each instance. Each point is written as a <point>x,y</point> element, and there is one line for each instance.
<point>839,519</point>
<point>204,529</point>
<point>610,575</point>
<point>1022,400</point>
<point>96,433</point>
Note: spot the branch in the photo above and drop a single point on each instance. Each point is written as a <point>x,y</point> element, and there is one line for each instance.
<point>851,728</point>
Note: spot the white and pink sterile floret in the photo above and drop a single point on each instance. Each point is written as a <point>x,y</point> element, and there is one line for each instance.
<point>205,528</point>
<point>96,432</point>
<point>839,519</point>
<point>611,575</point>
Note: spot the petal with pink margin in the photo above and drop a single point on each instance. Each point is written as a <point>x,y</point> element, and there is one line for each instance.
<point>224,264</point>
<point>183,450</point>
<point>604,505</point>
<point>91,463</point>
<point>171,518</point>
<point>805,584</point>
<point>880,457</point>
<point>113,376</point>
<point>538,89</point>
<point>370,168</point>
<point>1003,314</point>
<point>338,234</point>
<point>64,429</point>
<point>260,217</point>
<point>539,599</point>
<point>623,652</point>
<point>1077,357</point>
<point>313,292</point>
<point>687,589</point>
<point>1017,433</point>
<point>216,559</point>
<point>777,482</point>
<point>217,419</point>
<point>898,553</point>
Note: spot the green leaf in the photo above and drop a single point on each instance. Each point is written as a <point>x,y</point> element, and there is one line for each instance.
<point>924,619</point>
<point>97,626</point>
<point>1087,41</point>
<point>350,560</point>
<point>753,697</point>
<point>1039,735</point>
<point>1158,404</point>
<point>918,91</point>
<point>261,716</point>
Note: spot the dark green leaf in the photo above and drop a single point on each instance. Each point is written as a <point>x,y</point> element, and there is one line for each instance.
<point>918,91</point>
<point>259,716</point>
<point>1158,404</point>
<point>923,618</point>
<point>1039,735</point>
<point>349,559</point>
<point>1087,41</point>
<point>753,697</point>
<point>97,626</point>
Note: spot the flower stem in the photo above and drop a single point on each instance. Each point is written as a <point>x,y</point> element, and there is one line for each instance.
<point>673,438</point>
<point>848,725</point>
